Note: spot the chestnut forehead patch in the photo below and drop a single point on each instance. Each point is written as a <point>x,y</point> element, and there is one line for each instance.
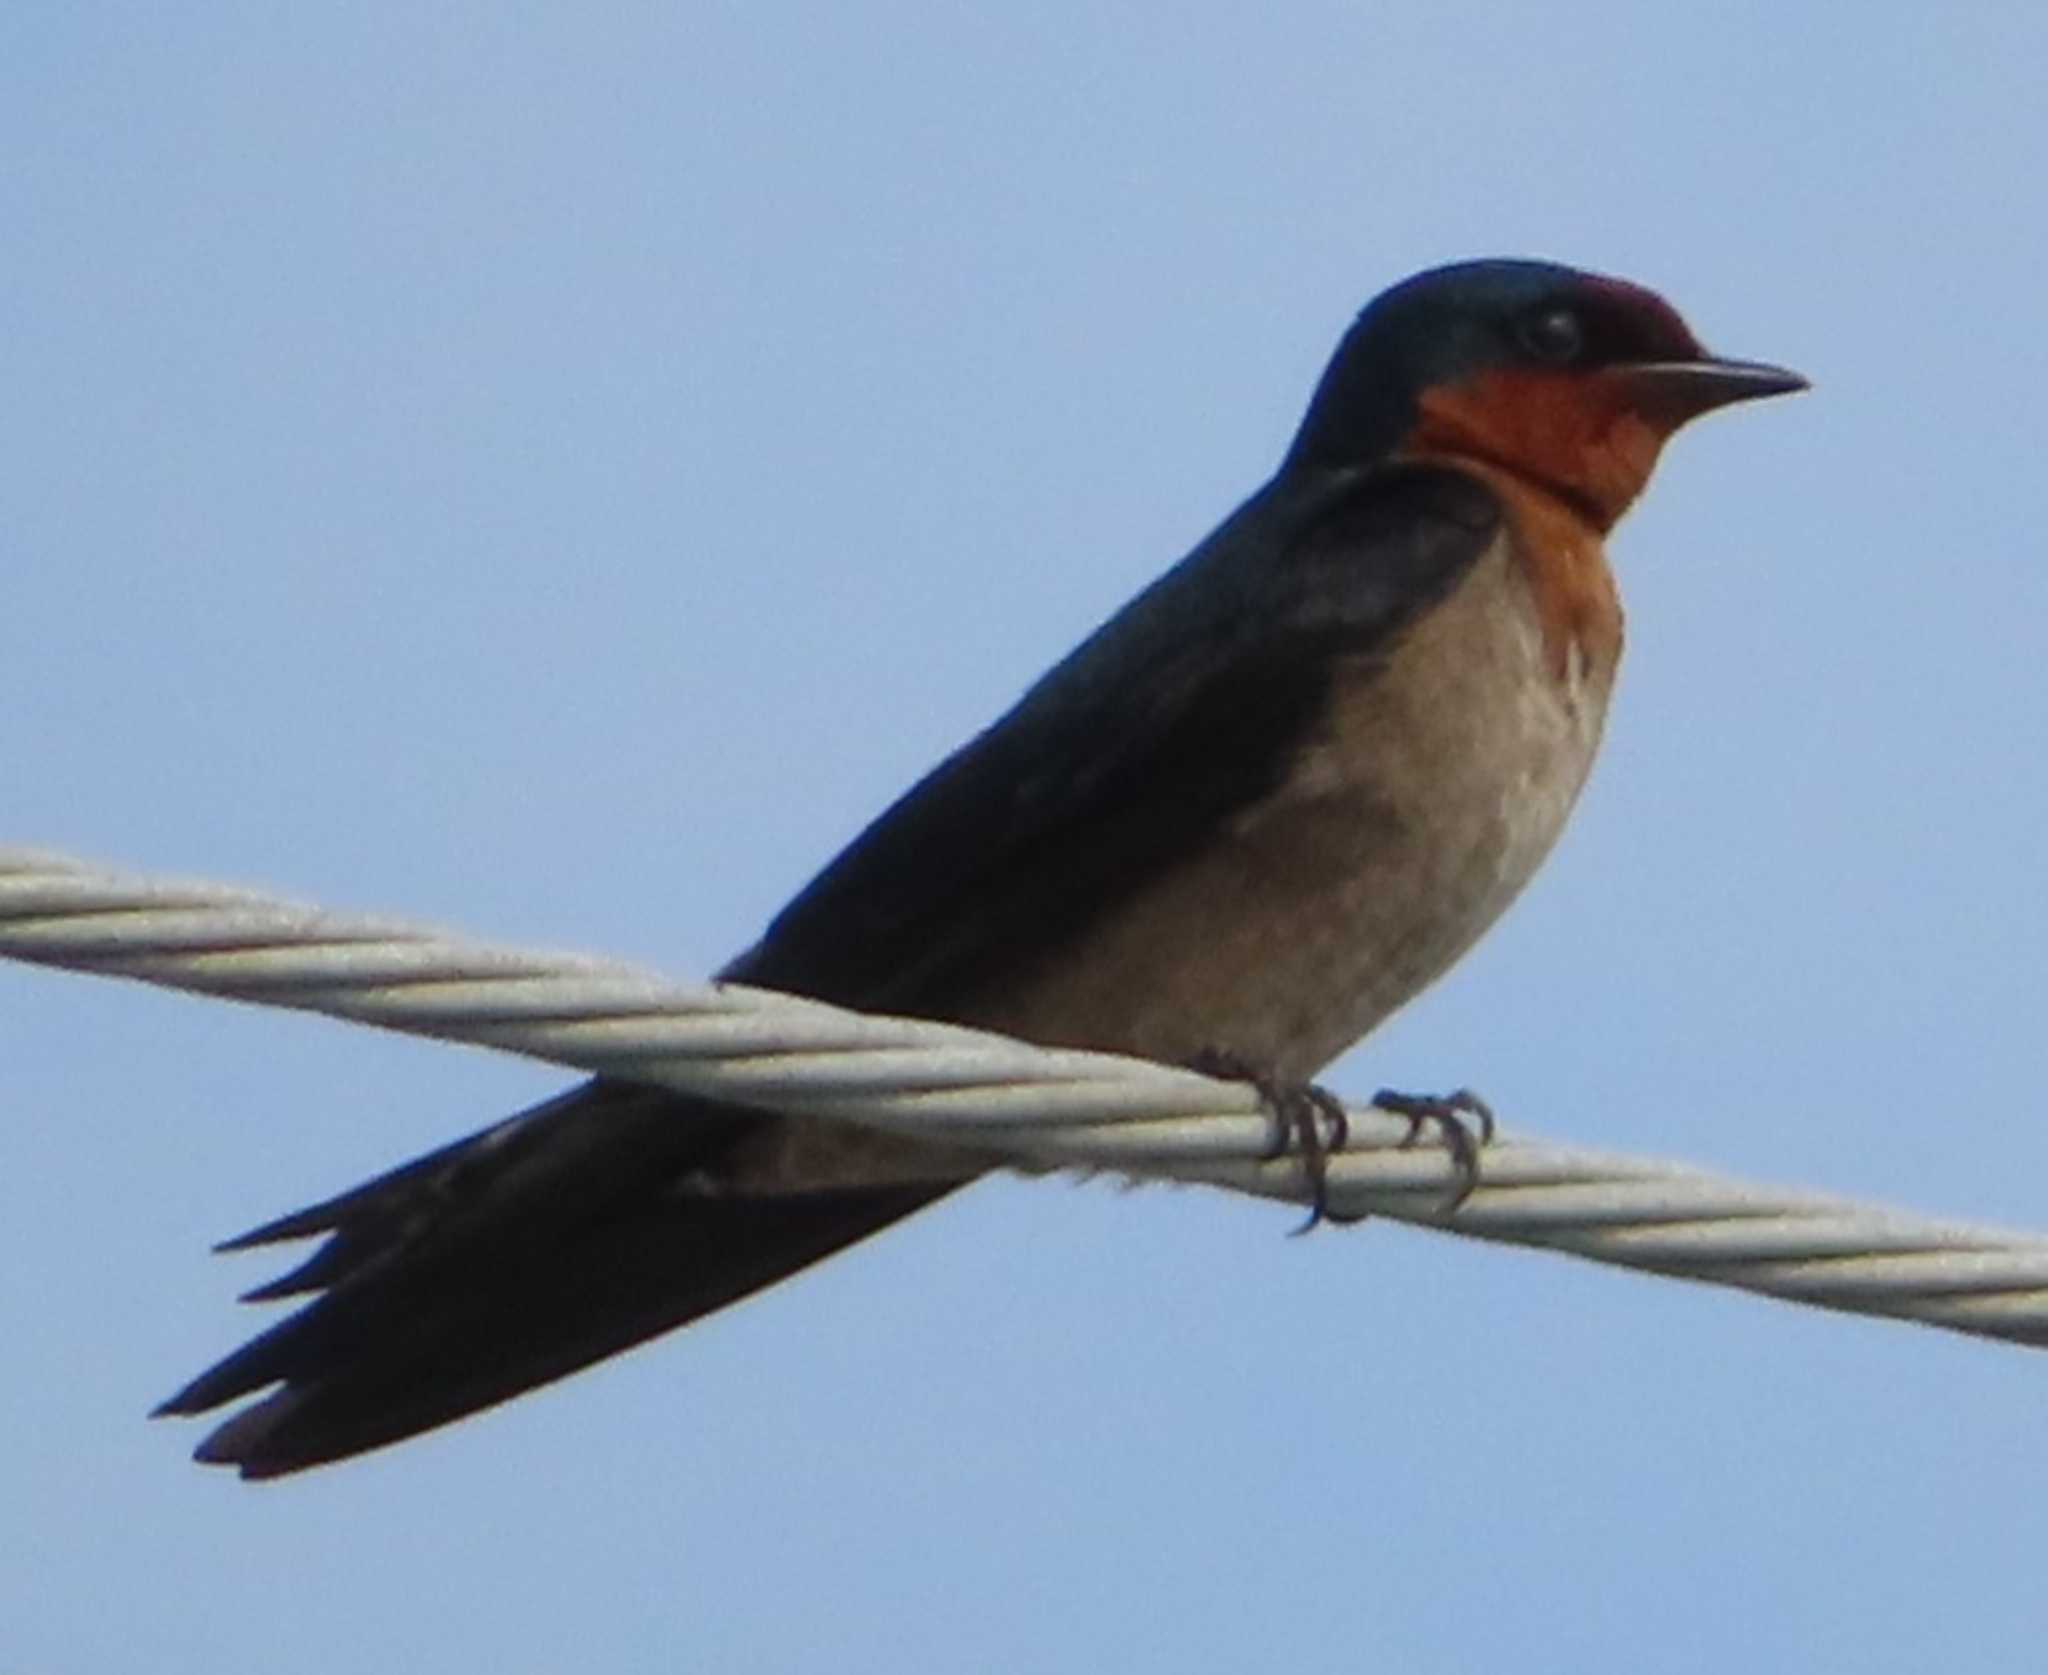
<point>1638,324</point>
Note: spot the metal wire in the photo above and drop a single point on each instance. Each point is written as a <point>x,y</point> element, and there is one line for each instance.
<point>1024,1105</point>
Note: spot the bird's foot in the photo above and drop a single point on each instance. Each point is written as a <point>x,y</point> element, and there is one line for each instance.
<point>1305,1117</point>
<point>1457,1116</point>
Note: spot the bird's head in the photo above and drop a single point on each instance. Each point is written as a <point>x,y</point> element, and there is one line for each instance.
<point>1568,380</point>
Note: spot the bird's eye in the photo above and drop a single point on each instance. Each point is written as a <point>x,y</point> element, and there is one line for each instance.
<point>1556,335</point>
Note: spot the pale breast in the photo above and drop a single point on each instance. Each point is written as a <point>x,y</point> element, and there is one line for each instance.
<point>1410,822</point>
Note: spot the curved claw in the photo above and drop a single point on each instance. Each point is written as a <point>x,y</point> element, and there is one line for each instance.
<point>1451,1112</point>
<point>1297,1112</point>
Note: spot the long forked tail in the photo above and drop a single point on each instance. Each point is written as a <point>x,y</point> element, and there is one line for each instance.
<point>508,1259</point>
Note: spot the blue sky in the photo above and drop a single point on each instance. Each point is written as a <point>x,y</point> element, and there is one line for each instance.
<point>558,476</point>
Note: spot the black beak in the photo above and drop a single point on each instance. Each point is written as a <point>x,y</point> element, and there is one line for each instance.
<point>1675,391</point>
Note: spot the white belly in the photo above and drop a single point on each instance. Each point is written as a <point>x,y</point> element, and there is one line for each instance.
<point>1441,782</point>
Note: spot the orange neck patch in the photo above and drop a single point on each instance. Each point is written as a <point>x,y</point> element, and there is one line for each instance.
<point>1574,434</point>
<point>1566,456</point>
<point>1565,562</point>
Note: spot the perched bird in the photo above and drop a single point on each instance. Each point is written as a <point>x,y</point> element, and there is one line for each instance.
<point>1262,807</point>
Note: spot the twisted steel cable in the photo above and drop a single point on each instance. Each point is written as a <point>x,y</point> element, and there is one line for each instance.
<point>1025,1106</point>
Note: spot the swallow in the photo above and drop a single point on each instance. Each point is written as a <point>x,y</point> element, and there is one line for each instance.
<point>1267,803</point>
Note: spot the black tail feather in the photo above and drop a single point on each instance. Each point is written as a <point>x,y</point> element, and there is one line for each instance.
<point>504,1261</point>
<point>389,1188</point>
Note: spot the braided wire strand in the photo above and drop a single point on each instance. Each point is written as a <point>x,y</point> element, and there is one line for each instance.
<point>1027,1106</point>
